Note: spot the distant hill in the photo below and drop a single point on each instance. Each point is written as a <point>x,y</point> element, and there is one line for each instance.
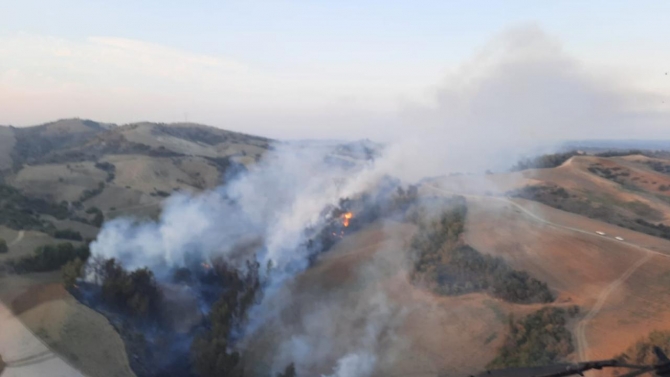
<point>84,165</point>
<point>127,169</point>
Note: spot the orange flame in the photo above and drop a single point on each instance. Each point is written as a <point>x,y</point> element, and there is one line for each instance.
<point>206,266</point>
<point>346,217</point>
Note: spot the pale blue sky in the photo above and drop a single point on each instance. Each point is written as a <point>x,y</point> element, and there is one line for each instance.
<point>287,32</point>
<point>297,63</point>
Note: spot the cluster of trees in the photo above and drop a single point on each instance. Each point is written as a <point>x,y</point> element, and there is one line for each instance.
<point>600,209</point>
<point>136,301</point>
<point>18,211</point>
<point>88,194</point>
<point>642,352</point>
<point>108,168</point>
<point>98,216</point>
<point>658,230</point>
<point>545,161</point>
<point>560,198</point>
<point>450,267</point>
<point>134,293</point>
<point>68,234</point>
<point>538,339</point>
<point>613,174</point>
<point>541,193</point>
<point>51,257</point>
<point>621,153</point>
<point>212,353</point>
<point>659,166</point>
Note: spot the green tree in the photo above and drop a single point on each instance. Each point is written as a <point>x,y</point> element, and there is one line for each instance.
<point>135,293</point>
<point>72,271</point>
<point>212,352</point>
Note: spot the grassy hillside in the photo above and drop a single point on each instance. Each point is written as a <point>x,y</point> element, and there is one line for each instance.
<point>453,279</point>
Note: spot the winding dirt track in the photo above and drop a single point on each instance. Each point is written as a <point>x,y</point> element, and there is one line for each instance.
<point>582,343</point>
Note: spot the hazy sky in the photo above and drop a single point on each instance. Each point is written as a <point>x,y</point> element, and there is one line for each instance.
<point>338,68</point>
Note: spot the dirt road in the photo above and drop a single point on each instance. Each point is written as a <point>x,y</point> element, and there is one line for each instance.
<point>580,333</point>
<point>25,355</point>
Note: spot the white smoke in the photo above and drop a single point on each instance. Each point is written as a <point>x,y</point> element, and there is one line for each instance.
<point>355,365</point>
<point>273,202</point>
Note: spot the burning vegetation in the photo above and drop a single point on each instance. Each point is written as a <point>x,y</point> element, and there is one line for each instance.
<point>345,218</point>
<point>196,314</point>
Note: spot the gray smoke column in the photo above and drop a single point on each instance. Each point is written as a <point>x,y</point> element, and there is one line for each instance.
<point>273,202</point>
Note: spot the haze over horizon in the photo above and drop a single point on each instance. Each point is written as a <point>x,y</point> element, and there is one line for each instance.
<point>345,70</point>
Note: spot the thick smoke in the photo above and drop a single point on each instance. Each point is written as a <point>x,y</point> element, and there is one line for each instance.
<point>521,91</point>
<point>272,203</point>
<point>355,364</point>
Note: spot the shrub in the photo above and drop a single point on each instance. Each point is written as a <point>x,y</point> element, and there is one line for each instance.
<point>72,271</point>
<point>288,372</point>
<point>18,211</point>
<point>98,217</point>
<point>68,234</point>
<point>642,351</point>
<point>538,339</point>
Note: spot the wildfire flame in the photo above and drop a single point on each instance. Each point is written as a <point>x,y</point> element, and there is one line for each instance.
<point>346,217</point>
<point>206,266</point>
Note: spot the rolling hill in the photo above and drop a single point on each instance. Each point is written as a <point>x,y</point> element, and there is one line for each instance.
<point>595,229</point>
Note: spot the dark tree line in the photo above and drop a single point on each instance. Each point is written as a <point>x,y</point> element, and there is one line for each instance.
<point>212,351</point>
<point>68,234</point>
<point>545,161</point>
<point>450,267</point>
<point>51,257</point>
<point>134,293</point>
<point>18,211</point>
<point>136,303</point>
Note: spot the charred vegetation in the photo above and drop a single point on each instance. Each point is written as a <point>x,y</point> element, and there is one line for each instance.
<point>185,325</point>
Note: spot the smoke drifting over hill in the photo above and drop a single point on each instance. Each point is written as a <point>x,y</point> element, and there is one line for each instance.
<point>520,91</point>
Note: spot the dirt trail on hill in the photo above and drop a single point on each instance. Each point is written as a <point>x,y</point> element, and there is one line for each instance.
<point>580,333</point>
<point>580,330</point>
<point>19,238</point>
